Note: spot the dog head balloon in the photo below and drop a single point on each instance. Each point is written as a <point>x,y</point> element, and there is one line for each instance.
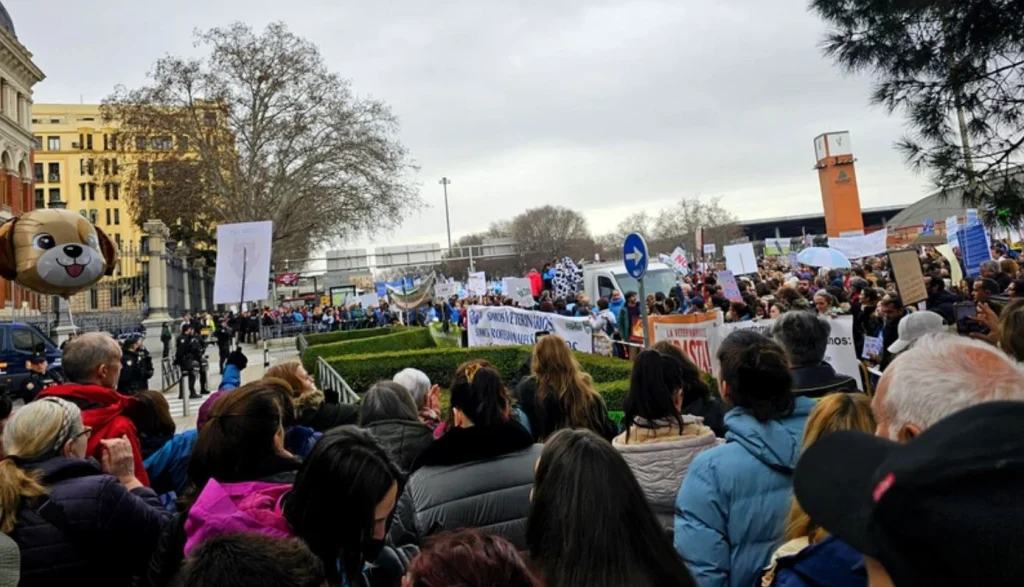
<point>54,252</point>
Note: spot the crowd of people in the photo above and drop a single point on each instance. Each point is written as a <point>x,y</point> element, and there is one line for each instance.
<point>779,473</point>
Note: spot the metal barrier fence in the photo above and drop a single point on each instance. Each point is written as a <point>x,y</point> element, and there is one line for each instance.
<point>170,372</point>
<point>328,378</point>
<point>301,344</point>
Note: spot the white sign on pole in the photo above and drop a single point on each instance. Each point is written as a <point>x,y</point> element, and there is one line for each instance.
<point>709,249</point>
<point>476,286</point>
<point>243,247</point>
<point>478,275</point>
<point>446,290</point>
<point>740,259</point>
<point>858,247</point>
<point>519,289</point>
<point>505,325</point>
<point>951,228</point>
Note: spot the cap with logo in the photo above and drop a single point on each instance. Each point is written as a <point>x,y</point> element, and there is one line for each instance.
<point>914,326</point>
<point>946,508</point>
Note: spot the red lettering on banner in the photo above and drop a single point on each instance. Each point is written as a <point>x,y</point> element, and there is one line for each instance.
<point>697,351</point>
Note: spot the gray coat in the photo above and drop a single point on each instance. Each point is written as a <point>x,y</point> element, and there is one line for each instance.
<point>477,477</point>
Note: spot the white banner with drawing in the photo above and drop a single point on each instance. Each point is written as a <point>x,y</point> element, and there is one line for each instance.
<point>499,326</point>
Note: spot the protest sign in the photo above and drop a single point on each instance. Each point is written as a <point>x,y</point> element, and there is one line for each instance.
<point>928,227</point>
<point>709,249</point>
<point>973,248</point>
<point>505,325</point>
<point>519,289</point>
<point>446,290</point>
<point>776,246</point>
<point>730,288</point>
<point>243,262</point>
<point>858,247</point>
<point>476,286</point>
<point>972,217</point>
<point>740,259</point>
<point>872,346</point>
<point>678,257</point>
<point>906,270</point>
<point>951,229</point>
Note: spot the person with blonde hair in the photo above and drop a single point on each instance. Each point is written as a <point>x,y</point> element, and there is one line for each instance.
<point>809,556</point>
<point>70,514</point>
<point>559,394</point>
<point>311,409</point>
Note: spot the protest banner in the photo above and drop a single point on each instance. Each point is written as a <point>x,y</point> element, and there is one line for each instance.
<point>951,229</point>
<point>476,286</point>
<point>709,249</point>
<point>243,262</point>
<point>906,270</point>
<point>928,227</point>
<point>519,289</point>
<point>740,259</point>
<point>505,325</point>
<point>858,247</point>
<point>446,290</point>
<point>729,286</point>
<point>974,248</point>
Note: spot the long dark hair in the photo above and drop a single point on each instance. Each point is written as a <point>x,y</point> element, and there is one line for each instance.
<point>332,503</point>
<point>477,391</point>
<point>652,388</point>
<point>694,386</point>
<point>238,436</point>
<point>590,524</point>
<point>756,371</point>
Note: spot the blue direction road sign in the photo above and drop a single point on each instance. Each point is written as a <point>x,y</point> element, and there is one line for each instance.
<point>634,255</point>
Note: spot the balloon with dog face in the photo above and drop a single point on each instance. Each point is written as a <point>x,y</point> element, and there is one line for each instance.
<point>55,252</point>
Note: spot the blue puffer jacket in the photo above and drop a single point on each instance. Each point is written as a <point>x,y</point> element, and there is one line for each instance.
<point>168,467</point>
<point>829,563</point>
<point>733,502</point>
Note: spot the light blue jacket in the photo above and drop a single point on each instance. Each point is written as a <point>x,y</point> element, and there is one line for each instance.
<point>732,506</point>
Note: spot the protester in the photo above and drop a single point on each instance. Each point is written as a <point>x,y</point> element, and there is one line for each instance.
<point>559,394</point>
<point>892,311</point>
<point>590,523</point>
<point>749,477</point>
<point>809,556</point>
<point>427,397</point>
<point>478,474</point>
<point>92,364</point>
<point>918,511</point>
<point>659,442</point>
<point>469,558</point>
<point>389,413</point>
<point>698,399</point>
<point>804,337</point>
<point>252,560</point>
<point>941,300</point>
<point>992,270</point>
<point>68,514</point>
<point>312,410</point>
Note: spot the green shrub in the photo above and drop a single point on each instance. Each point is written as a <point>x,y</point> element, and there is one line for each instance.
<point>402,340</point>
<point>614,393</point>
<point>604,369</point>
<point>345,335</point>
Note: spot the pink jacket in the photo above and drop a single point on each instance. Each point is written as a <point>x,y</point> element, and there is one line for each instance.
<point>227,508</point>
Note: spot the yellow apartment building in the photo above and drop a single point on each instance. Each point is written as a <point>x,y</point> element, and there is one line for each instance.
<point>77,165</point>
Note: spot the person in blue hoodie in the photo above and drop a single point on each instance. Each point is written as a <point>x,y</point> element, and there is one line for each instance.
<point>732,505</point>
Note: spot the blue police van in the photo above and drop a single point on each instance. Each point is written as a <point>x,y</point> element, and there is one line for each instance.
<point>18,342</point>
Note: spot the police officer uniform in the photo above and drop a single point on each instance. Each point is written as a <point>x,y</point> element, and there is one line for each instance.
<point>224,336</point>
<point>189,355</point>
<point>134,377</point>
<point>36,381</point>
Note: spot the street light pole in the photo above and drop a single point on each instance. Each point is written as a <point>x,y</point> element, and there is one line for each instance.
<point>447,218</point>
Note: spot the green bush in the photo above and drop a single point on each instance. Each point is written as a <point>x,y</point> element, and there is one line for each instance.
<point>614,393</point>
<point>346,335</point>
<point>402,340</point>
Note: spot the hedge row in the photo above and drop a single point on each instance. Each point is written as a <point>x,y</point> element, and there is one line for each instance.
<point>398,340</point>
<point>346,335</point>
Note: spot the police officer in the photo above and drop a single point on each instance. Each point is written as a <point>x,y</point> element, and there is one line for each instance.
<point>224,336</point>
<point>37,379</point>
<point>133,367</point>
<point>189,355</point>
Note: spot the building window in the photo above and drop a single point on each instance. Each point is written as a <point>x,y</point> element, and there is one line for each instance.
<point>106,167</point>
<point>81,187</point>
<point>81,142</point>
<point>143,170</point>
<point>108,216</point>
<point>113,142</point>
<point>91,166</point>
<point>81,166</point>
<point>37,173</point>
<point>54,196</point>
<point>40,198</point>
<point>88,142</point>
<point>117,240</point>
<point>140,143</point>
<point>92,191</point>
<point>53,143</point>
<point>113,167</point>
<point>183,144</point>
<point>115,190</point>
<point>54,172</point>
<point>162,144</point>
<point>94,299</point>
<point>106,142</point>
<point>106,191</point>
<point>117,216</point>
<point>37,143</point>
<point>93,215</point>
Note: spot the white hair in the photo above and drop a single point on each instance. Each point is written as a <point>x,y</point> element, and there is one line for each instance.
<point>943,374</point>
<point>416,382</point>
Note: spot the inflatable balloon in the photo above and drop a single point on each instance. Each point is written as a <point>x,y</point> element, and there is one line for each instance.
<point>54,252</point>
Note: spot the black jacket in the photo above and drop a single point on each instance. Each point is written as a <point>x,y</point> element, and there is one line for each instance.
<point>328,415</point>
<point>477,477</point>
<point>548,416</point>
<point>818,381</point>
<point>133,374</point>
<point>404,440</point>
<point>941,302</point>
<point>711,410</point>
<point>86,523</point>
<point>170,551</point>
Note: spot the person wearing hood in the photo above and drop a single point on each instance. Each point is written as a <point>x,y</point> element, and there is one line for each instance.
<point>731,508</point>
<point>92,364</point>
<point>388,411</point>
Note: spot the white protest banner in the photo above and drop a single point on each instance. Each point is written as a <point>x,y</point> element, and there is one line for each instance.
<point>709,249</point>
<point>740,259</point>
<point>370,300</point>
<point>478,275</point>
<point>858,247</point>
<point>972,216</point>
<point>841,353</point>
<point>476,286</point>
<point>951,228</point>
<point>243,262</point>
<point>446,290</point>
<point>519,289</point>
<point>694,334</point>
<point>505,325</point>
<point>679,257</point>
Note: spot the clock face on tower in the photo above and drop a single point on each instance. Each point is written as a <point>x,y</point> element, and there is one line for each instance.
<point>819,148</point>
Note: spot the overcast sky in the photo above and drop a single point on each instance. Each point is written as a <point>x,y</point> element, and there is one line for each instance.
<point>606,106</point>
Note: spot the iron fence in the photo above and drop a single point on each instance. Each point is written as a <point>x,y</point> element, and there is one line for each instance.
<point>330,380</point>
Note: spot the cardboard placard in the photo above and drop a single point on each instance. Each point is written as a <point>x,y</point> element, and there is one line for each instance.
<point>906,270</point>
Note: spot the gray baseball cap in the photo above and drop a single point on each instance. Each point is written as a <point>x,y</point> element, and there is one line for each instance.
<point>914,326</point>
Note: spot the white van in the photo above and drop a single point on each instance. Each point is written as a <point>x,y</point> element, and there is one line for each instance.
<point>600,279</point>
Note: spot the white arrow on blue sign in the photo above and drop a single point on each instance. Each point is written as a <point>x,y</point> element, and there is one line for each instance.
<point>634,255</point>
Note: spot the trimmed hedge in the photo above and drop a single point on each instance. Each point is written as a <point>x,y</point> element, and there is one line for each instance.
<point>402,340</point>
<point>346,335</point>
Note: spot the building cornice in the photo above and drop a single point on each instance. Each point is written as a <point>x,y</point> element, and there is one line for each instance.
<point>13,52</point>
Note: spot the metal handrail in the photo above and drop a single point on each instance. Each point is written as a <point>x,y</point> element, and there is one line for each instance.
<point>301,344</point>
<point>328,378</point>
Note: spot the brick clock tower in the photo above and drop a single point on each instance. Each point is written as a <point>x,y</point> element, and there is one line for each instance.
<point>838,180</point>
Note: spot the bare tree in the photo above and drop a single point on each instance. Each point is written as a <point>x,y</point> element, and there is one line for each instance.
<point>260,129</point>
<point>551,230</point>
<point>641,222</point>
<point>678,224</point>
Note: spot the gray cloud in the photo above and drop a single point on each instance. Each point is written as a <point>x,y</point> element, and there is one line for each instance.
<point>604,106</point>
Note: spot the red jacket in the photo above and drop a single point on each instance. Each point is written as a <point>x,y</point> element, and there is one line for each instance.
<point>103,411</point>
<point>536,283</point>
